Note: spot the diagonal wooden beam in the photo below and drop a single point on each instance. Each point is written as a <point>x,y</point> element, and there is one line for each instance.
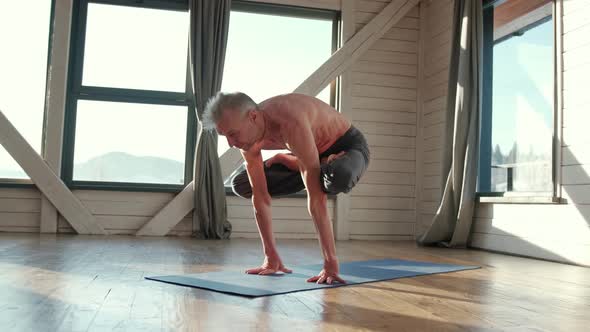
<point>338,63</point>
<point>183,203</point>
<point>356,46</point>
<point>45,179</point>
<point>170,214</point>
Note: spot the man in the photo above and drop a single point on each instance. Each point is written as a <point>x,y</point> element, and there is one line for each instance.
<point>327,156</point>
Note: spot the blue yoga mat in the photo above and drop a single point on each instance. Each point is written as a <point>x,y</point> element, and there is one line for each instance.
<point>240,283</point>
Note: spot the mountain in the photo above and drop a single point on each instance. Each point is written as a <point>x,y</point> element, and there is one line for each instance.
<point>124,167</point>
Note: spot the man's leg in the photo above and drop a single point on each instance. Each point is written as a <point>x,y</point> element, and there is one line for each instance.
<point>280,181</point>
<point>344,172</point>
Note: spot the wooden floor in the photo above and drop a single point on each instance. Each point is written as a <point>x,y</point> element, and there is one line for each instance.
<point>86,283</point>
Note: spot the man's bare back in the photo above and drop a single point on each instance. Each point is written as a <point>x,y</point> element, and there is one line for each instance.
<point>283,114</point>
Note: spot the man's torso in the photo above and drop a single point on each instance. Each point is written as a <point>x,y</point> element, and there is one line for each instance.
<point>289,113</point>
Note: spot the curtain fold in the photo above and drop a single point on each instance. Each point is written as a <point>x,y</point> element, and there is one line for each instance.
<point>451,224</point>
<point>209,25</point>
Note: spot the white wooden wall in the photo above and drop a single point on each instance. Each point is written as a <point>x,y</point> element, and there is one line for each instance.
<point>19,210</point>
<point>558,232</point>
<point>289,216</point>
<point>384,96</point>
<point>435,58</point>
<point>382,103</point>
<point>126,212</point>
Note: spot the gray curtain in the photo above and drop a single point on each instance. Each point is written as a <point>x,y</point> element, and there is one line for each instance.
<point>452,223</point>
<point>209,24</point>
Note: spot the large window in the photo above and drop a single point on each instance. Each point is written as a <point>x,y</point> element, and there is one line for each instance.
<point>24,36</point>
<point>518,113</point>
<point>129,124</point>
<point>272,49</point>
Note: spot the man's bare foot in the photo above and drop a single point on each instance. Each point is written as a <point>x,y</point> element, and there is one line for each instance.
<point>330,158</point>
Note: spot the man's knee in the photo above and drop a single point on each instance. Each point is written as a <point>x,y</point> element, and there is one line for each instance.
<point>240,185</point>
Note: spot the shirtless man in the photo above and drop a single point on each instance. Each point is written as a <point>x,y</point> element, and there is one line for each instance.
<point>327,156</point>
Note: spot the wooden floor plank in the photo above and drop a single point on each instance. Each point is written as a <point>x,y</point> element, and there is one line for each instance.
<point>87,283</point>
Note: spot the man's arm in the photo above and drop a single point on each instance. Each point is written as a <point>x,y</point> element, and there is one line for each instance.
<point>303,146</point>
<point>261,200</point>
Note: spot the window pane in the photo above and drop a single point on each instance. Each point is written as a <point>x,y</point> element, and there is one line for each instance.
<point>522,109</point>
<point>270,55</point>
<point>125,142</point>
<point>23,71</point>
<point>149,54</point>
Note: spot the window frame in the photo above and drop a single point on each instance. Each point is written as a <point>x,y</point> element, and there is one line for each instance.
<point>298,12</point>
<point>76,91</point>
<point>485,134</point>
<point>28,183</point>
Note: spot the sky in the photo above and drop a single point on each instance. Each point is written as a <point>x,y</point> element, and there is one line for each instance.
<point>523,91</point>
<point>23,63</point>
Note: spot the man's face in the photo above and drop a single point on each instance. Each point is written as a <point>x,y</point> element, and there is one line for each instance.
<point>237,128</point>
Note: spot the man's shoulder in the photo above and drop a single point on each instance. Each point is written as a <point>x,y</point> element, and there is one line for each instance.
<point>281,100</point>
<point>284,108</point>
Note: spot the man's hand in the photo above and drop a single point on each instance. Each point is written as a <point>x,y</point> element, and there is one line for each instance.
<point>286,159</point>
<point>332,157</point>
<point>270,265</point>
<point>329,274</point>
<point>276,159</point>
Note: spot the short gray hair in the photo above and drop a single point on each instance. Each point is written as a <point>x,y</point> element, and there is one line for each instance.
<point>219,103</point>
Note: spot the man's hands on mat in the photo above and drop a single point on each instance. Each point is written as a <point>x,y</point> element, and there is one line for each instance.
<point>329,274</point>
<point>271,264</point>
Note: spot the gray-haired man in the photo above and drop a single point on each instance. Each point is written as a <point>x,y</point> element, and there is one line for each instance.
<point>327,156</point>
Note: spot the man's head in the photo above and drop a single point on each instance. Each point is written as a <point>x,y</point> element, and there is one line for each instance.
<point>235,116</point>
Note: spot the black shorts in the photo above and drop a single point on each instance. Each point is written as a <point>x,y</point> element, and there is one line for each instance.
<point>338,176</point>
